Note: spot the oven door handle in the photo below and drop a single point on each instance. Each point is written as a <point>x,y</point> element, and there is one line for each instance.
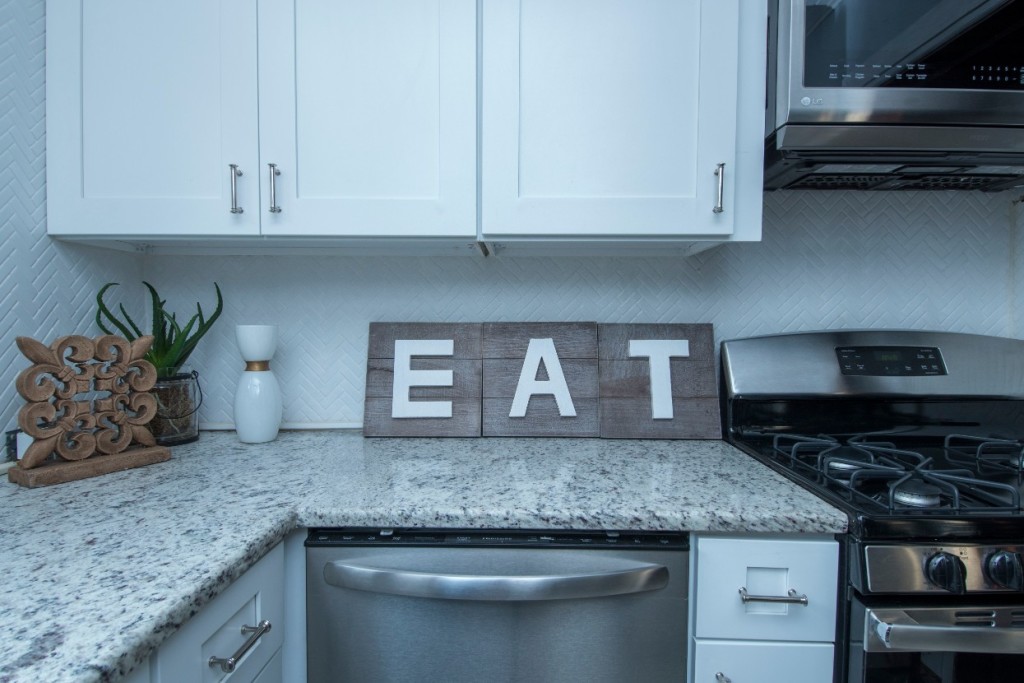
<point>898,631</point>
<point>444,586</point>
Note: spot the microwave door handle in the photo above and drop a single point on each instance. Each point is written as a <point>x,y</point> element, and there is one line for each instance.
<point>645,577</point>
<point>913,637</point>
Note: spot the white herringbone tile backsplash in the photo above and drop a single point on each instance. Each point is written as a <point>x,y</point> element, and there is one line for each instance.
<point>840,259</point>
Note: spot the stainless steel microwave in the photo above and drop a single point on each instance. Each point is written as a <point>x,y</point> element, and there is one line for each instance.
<point>895,94</point>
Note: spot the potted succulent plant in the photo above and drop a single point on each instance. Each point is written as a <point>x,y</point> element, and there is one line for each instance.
<point>177,390</point>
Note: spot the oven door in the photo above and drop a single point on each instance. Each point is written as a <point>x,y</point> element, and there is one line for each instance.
<point>948,644</point>
<point>929,62</point>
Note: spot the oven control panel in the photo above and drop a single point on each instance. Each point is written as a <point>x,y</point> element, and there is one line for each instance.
<point>958,570</point>
<point>890,361</point>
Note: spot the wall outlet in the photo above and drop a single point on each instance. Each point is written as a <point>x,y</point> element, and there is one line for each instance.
<point>11,444</point>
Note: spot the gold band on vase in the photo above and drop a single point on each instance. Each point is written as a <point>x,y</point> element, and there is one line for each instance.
<point>257,366</point>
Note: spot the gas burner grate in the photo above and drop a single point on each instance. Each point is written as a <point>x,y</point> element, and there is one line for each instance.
<point>987,453</point>
<point>876,474</point>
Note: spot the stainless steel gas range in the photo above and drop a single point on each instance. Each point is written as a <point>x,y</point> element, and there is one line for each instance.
<point>918,437</point>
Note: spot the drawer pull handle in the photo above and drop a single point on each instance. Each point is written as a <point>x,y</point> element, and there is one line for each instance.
<point>235,173</point>
<point>792,598</point>
<point>720,173</point>
<point>722,678</point>
<point>254,633</point>
<point>274,172</point>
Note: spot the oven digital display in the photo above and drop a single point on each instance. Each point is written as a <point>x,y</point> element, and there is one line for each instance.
<point>890,361</point>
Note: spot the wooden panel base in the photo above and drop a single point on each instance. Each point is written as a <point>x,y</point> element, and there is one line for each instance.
<point>60,472</point>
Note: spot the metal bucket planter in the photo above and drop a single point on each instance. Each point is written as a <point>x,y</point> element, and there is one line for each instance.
<point>178,398</point>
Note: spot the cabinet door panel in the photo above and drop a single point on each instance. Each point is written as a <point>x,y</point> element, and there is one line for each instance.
<point>766,567</point>
<point>369,111</point>
<point>147,105</point>
<point>607,117</point>
<point>741,662</point>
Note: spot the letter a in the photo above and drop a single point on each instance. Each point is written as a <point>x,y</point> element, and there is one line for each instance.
<point>542,350</point>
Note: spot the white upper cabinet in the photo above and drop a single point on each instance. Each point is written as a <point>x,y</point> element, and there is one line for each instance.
<point>368,111</point>
<point>610,118</point>
<point>147,106</point>
<point>220,123</point>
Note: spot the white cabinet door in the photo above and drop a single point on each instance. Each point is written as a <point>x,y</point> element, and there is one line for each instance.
<point>368,111</point>
<point>771,568</point>
<point>147,105</point>
<point>609,118</point>
<point>718,661</point>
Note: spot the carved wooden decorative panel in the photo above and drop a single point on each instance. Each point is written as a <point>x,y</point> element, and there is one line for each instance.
<point>87,405</point>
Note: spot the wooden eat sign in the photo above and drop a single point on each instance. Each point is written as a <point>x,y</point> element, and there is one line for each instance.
<point>87,405</point>
<point>542,379</point>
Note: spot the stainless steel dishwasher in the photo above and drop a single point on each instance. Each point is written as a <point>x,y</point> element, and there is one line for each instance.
<point>394,605</point>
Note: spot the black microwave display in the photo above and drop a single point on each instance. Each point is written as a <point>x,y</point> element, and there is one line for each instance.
<point>963,44</point>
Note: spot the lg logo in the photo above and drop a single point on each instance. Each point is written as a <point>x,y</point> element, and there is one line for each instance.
<point>808,101</point>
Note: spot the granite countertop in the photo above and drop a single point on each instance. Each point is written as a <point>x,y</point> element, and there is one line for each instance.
<point>97,573</point>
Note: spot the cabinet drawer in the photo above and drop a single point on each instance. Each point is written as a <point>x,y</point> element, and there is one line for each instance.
<point>216,631</point>
<point>766,567</point>
<point>762,662</point>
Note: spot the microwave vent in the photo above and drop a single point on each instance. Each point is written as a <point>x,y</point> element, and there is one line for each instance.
<point>838,181</point>
<point>950,182</point>
<point>901,181</point>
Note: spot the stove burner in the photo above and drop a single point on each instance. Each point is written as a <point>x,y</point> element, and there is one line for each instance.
<point>918,494</point>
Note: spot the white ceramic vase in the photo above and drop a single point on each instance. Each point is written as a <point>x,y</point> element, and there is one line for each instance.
<point>258,406</point>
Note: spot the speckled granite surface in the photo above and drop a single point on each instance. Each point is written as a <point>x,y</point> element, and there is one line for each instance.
<point>97,573</point>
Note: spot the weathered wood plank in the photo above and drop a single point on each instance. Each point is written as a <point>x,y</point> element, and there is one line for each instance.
<point>542,419</point>
<point>505,347</point>
<point>501,377</point>
<point>464,392</point>
<point>467,337</point>
<point>687,398</point>
<point>632,379</point>
<point>510,340</point>
<point>466,378</point>
<point>464,422</point>
<point>614,338</point>
<point>630,418</point>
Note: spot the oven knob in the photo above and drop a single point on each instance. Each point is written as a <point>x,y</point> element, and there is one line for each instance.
<point>1004,569</point>
<point>947,571</point>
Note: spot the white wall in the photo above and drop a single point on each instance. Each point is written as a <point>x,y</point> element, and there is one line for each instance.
<point>46,288</point>
<point>918,260</point>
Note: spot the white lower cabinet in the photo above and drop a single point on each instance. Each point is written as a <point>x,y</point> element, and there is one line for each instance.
<point>225,626</point>
<point>722,661</point>
<point>764,609</point>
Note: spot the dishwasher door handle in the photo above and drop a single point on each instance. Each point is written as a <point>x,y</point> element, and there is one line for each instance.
<point>644,577</point>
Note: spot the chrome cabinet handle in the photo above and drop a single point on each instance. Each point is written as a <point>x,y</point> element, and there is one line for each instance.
<point>792,598</point>
<point>235,173</point>
<point>274,172</point>
<point>255,633</point>
<point>644,577</point>
<point>722,678</point>
<point>720,172</point>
